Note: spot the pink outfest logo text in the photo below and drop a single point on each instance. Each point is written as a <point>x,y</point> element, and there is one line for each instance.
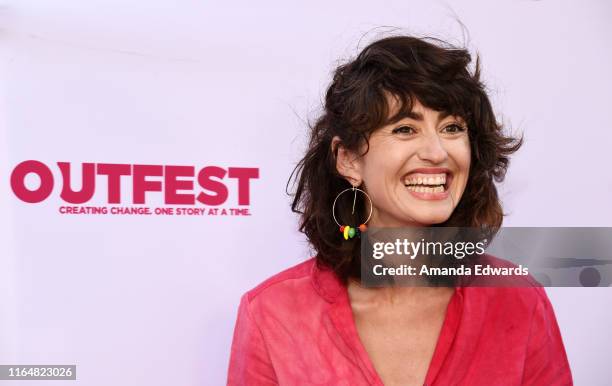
<point>198,191</point>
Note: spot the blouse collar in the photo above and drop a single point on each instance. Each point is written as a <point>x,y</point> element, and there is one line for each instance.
<point>329,287</point>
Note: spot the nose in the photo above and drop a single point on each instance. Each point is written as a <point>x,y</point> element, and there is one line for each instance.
<point>432,149</point>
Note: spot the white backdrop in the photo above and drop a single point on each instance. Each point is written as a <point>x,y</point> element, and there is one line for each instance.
<point>152,300</point>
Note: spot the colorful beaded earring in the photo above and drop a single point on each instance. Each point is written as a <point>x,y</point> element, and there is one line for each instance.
<point>347,231</point>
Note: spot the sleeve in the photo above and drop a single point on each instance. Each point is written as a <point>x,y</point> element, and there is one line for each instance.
<point>546,360</point>
<point>250,362</point>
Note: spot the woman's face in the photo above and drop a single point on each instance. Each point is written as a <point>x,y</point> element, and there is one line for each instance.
<point>416,169</point>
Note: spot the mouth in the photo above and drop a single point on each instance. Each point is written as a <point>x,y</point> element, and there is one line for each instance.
<point>429,183</point>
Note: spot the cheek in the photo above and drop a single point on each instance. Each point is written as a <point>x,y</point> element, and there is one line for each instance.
<point>460,152</point>
<point>385,160</point>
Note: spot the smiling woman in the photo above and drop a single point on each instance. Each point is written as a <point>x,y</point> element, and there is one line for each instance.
<point>416,168</point>
<point>411,127</point>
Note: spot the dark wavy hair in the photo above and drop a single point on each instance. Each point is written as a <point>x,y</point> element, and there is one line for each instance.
<point>356,104</point>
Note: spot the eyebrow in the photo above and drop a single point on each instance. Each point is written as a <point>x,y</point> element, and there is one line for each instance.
<point>419,117</point>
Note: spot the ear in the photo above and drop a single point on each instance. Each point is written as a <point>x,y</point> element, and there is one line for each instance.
<point>347,162</point>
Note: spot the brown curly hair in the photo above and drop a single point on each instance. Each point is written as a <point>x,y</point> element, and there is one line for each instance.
<point>356,104</point>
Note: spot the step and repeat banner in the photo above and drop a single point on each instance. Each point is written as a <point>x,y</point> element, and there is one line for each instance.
<point>145,148</point>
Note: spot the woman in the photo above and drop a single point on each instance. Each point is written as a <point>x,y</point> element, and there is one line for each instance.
<point>408,124</point>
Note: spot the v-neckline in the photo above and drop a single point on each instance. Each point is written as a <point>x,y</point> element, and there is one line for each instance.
<point>343,317</point>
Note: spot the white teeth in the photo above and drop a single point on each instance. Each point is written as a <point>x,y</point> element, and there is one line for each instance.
<point>437,179</point>
<point>426,189</point>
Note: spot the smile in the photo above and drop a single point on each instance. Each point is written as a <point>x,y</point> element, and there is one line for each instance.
<point>429,184</point>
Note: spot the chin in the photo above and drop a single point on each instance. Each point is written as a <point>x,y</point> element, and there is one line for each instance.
<point>431,218</point>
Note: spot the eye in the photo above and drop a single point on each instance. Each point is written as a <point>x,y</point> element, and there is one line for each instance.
<point>454,128</point>
<point>403,130</point>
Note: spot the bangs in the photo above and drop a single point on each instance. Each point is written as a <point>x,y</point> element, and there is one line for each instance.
<point>398,106</point>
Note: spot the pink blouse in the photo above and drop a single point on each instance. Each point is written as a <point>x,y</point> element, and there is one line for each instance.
<point>297,328</point>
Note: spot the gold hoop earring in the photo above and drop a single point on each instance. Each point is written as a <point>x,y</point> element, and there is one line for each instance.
<point>347,231</point>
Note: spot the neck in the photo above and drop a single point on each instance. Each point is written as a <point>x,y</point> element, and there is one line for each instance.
<point>390,295</point>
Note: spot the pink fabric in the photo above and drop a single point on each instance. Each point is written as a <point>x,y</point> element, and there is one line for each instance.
<point>297,328</point>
